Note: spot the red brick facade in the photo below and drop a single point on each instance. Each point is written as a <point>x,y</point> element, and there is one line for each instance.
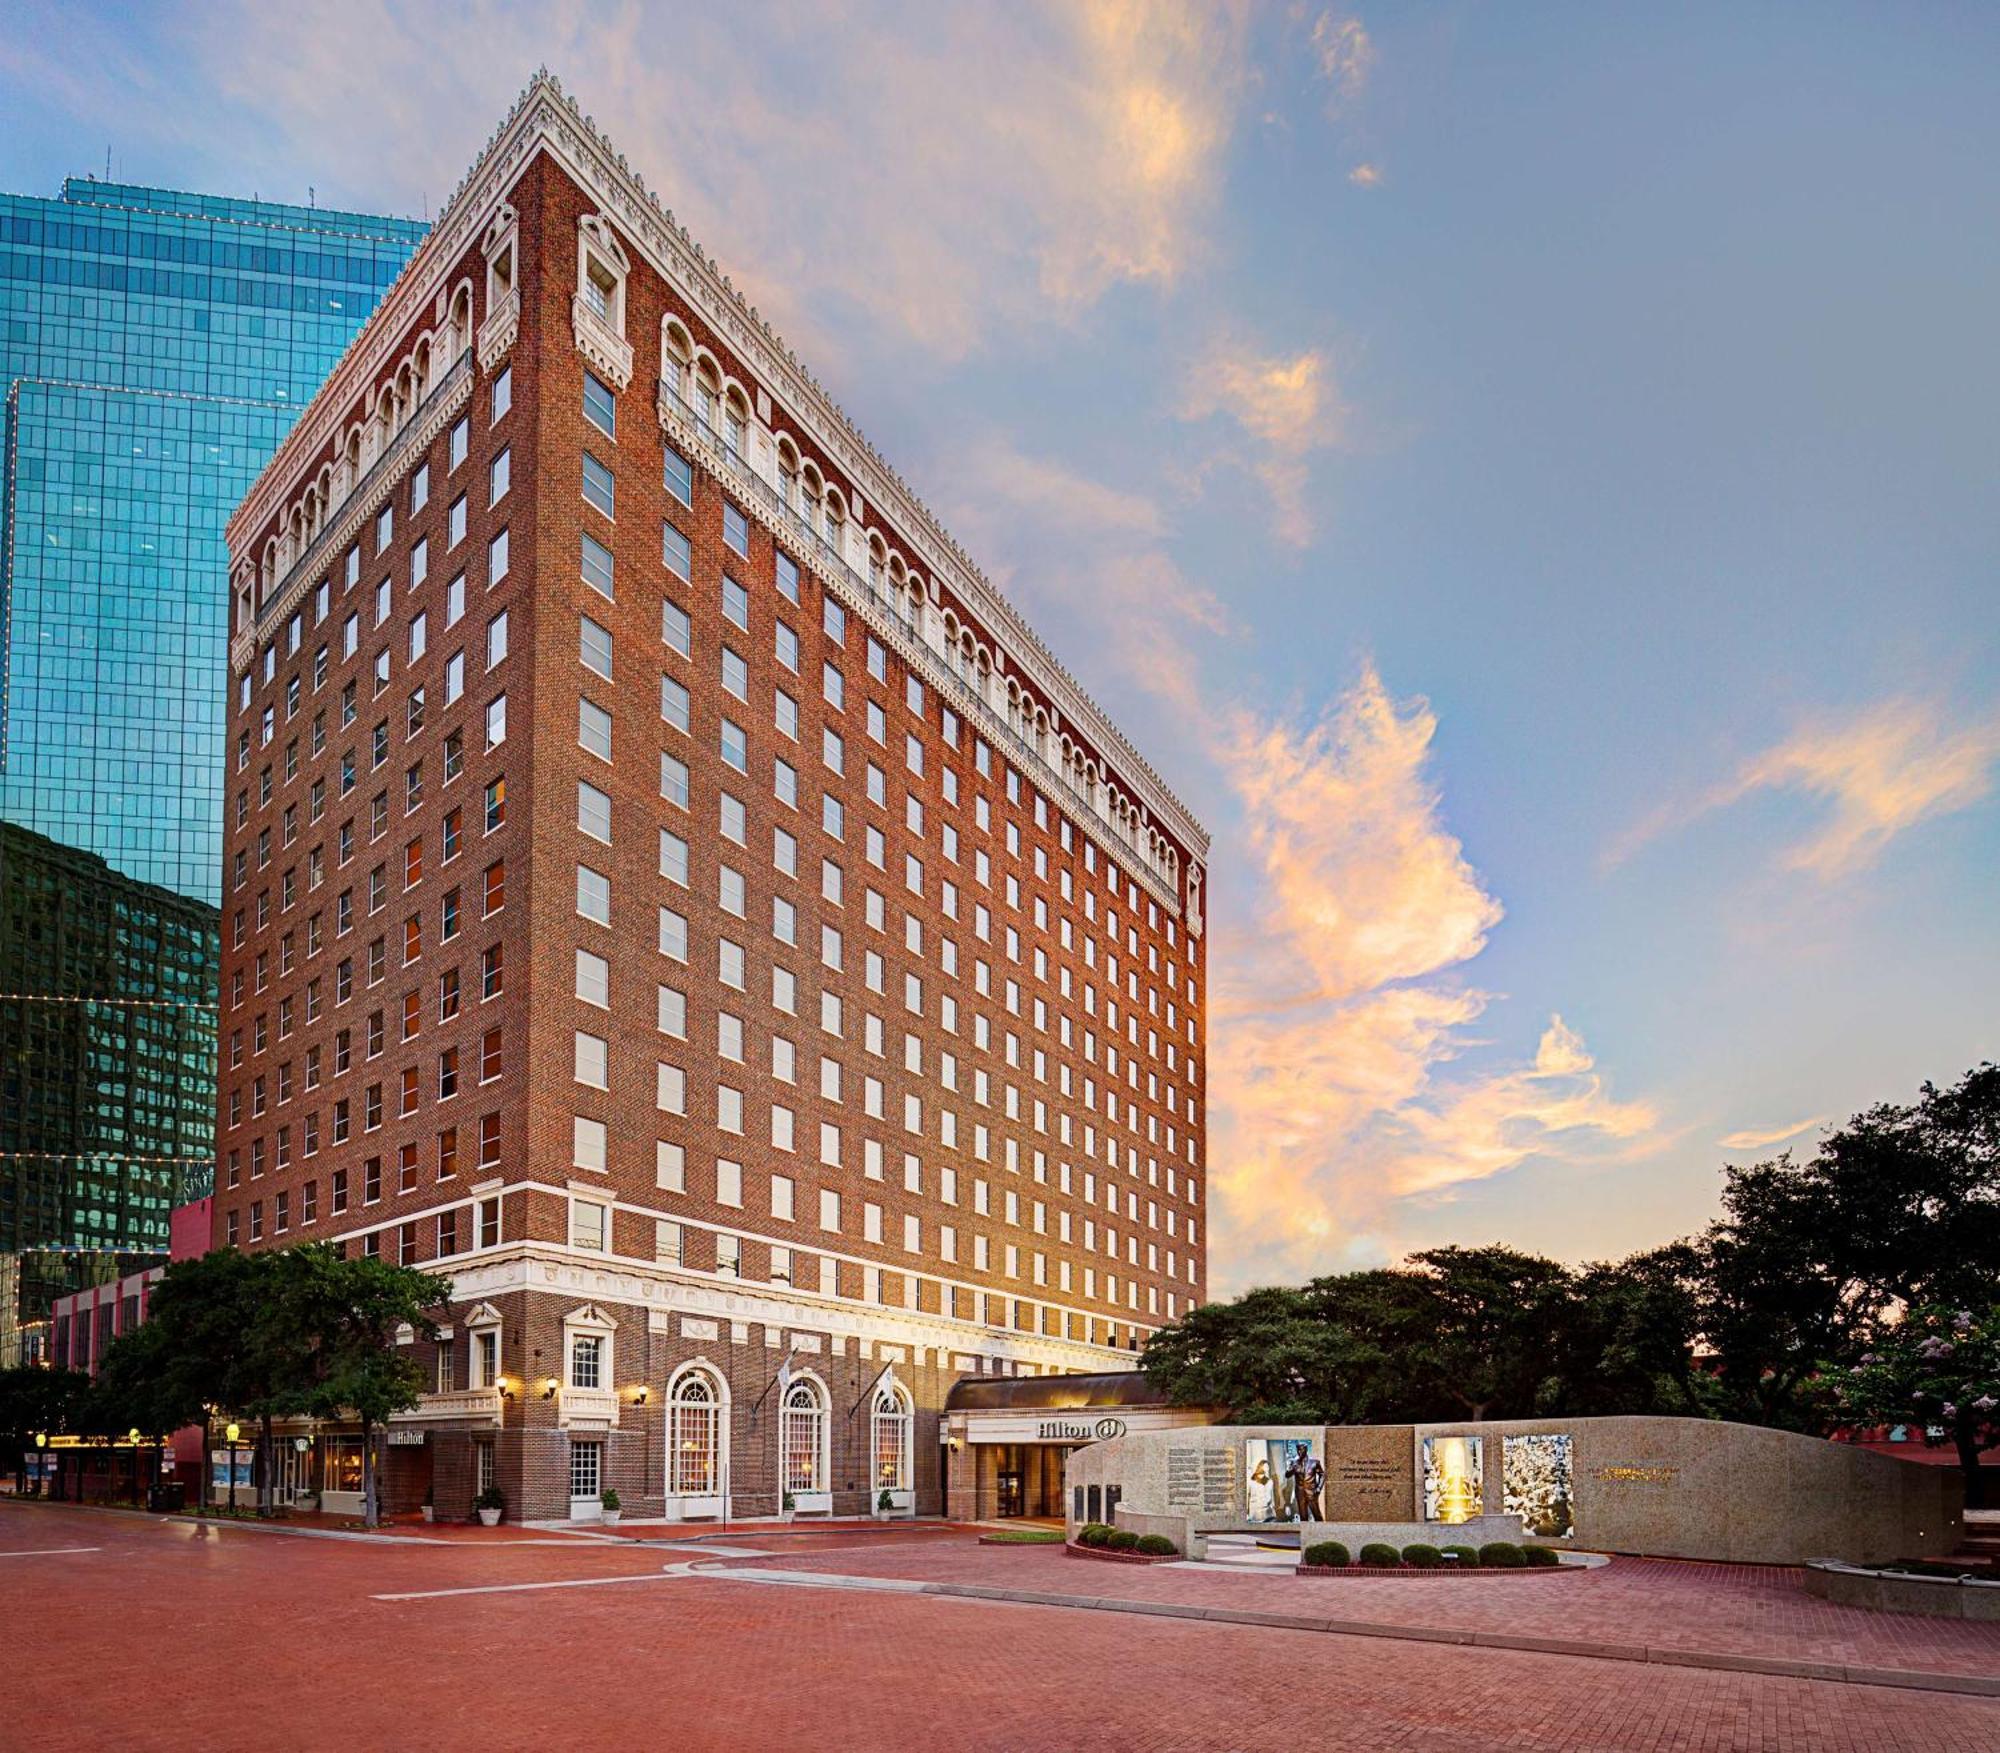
<point>854,959</point>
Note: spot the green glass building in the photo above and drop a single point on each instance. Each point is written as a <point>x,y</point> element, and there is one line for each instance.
<point>155,347</point>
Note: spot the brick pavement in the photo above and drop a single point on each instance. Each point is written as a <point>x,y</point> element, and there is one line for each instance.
<point>168,1637</point>
<point>1747,1610</point>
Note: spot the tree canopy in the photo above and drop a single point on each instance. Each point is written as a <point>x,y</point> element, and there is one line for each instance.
<point>299,1331</point>
<point>1804,1304</point>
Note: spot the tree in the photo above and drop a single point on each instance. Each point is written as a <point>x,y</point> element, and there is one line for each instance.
<point>1937,1368</point>
<point>35,1401</point>
<point>349,1313</point>
<point>198,1342</point>
<point>1623,1340</point>
<point>1460,1332</point>
<point>1269,1358</point>
<point>1900,1208</point>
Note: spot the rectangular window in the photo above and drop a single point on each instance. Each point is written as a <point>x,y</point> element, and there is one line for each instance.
<point>599,486</point>
<point>735,529</point>
<point>679,477</point>
<point>676,630</point>
<point>593,895</point>
<point>586,1230</point>
<point>594,648</point>
<point>593,811</point>
<point>500,476</point>
<point>677,552</point>
<point>600,407</point>
<point>597,567</point>
<point>673,703</point>
<point>593,728</point>
<point>674,780</point>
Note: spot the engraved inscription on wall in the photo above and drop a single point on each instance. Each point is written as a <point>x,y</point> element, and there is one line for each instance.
<point>1219,1468</point>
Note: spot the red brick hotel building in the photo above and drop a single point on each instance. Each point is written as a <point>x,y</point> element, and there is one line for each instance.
<point>668,891</point>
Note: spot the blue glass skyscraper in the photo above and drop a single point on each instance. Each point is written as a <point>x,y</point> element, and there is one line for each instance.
<point>155,347</point>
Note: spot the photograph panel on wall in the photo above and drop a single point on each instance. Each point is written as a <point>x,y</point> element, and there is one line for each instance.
<point>1452,1478</point>
<point>1537,1475</point>
<point>1281,1476</point>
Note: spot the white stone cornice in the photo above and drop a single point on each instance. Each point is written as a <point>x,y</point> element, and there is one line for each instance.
<point>546,1269</point>
<point>544,119</point>
<point>452,393</point>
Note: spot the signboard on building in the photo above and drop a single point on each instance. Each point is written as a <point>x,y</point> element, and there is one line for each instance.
<point>1083,1425</point>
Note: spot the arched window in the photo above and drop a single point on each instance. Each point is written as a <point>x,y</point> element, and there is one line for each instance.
<point>735,423</point>
<point>802,1438</point>
<point>697,1435</point>
<point>891,1444</point>
<point>707,390</point>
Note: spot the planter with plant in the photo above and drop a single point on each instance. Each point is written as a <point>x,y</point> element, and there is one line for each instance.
<point>614,1507</point>
<point>430,1505</point>
<point>491,1505</point>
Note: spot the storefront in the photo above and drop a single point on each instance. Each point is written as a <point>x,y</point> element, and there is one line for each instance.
<point>1007,1438</point>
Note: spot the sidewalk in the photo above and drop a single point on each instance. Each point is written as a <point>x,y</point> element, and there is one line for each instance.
<point>1742,1617</point>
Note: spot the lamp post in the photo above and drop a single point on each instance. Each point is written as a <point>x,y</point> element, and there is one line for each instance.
<point>231,1432</point>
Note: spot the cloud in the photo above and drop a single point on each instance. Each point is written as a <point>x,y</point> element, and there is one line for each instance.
<point>1286,408</point>
<point>1754,1139</point>
<point>1338,1018</point>
<point>948,174</point>
<point>1343,818</point>
<point>1365,176</point>
<point>1345,54</point>
<point>1344,1080</point>
<point>1880,772</point>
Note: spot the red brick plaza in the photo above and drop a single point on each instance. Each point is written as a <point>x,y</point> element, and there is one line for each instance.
<point>445,1639</point>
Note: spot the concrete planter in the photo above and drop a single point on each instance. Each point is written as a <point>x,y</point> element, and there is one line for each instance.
<point>489,1518</point>
<point>1936,1597</point>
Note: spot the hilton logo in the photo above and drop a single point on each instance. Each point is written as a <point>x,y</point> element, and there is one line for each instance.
<point>1057,1430</point>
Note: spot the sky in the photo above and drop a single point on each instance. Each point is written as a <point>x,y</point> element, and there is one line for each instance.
<point>1522,474</point>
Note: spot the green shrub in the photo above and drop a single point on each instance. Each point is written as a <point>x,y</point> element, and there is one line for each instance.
<point>1327,1555</point>
<point>1539,1557</point>
<point>1376,1553</point>
<point>1093,1534</point>
<point>1467,1556</point>
<point>610,1499</point>
<point>1501,1555</point>
<point>1421,1555</point>
<point>492,1498</point>
<point>1123,1540</point>
<point>1157,1546</point>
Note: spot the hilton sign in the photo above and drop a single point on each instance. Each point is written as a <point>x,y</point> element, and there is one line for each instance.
<point>1060,1430</point>
<point>1080,1426</point>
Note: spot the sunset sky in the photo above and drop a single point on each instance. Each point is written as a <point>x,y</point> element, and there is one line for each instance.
<point>1524,475</point>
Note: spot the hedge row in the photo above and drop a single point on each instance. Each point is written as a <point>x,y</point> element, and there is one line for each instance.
<point>1107,1538</point>
<point>1420,1555</point>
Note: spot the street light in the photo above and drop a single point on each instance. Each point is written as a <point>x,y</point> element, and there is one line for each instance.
<point>232,1431</point>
